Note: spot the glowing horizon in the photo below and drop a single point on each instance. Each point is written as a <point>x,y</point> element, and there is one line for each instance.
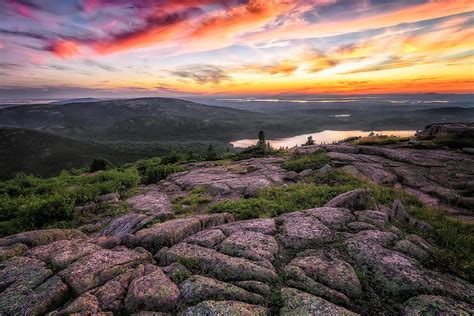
<point>230,47</point>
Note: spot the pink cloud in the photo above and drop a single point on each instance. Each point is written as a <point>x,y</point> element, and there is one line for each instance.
<point>64,49</point>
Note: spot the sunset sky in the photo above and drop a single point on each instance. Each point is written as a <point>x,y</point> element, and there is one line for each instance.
<point>81,48</point>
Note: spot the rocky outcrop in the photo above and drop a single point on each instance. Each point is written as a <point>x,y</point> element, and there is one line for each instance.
<point>41,237</point>
<point>171,232</point>
<point>244,178</point>
<point>338,260</point>
<point>439,178</point>
<point>453,130</point>
<point>154,202</point>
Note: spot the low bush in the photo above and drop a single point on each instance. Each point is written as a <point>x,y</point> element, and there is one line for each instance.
<point>155,174</point>
<point>300,162</point>
<point>192,203</point>
<point>28,202</point>
<point>100,164</point>
<point>379,140</point>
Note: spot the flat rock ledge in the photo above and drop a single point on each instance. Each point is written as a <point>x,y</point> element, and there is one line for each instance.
<point>437,177</point>
<point>347,258</point>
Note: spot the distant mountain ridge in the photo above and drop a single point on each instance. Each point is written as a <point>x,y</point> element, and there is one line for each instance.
<point>78,100</point>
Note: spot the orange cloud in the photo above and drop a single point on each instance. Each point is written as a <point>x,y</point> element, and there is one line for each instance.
<point>254,13</point>
<point>431,10</point>
<point>64,49</point>
<point>139,39</point>
<point>182,26</point>
<point>285,68</point>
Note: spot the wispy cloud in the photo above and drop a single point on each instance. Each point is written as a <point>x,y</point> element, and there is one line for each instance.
<point>201,74</point>
<point>251,46</point>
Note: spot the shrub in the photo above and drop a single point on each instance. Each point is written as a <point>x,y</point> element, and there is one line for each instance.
<point>379,140</point>
<point>276,201</point>
<point>193,202</point>
<point>38,203</point>
<point>299,162</point>
<point>156,173</point>
<point>100,164</point>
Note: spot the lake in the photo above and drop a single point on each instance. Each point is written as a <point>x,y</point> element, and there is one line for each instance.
<point>324,137</point>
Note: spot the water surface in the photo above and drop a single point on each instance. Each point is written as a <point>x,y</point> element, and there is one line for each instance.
<point>324,137</point>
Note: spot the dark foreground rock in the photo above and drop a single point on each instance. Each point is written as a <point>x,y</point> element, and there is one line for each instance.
<point>343,259</point>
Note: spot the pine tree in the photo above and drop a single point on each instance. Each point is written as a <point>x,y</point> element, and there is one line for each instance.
<point>310,141</point>
<point>211,154</point>
<point>261,144</point>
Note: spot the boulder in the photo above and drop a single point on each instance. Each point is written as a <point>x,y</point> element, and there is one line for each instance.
<point>109,197</point>
<point>250,245</point>
<point>360,199</point>
<point>300,231</point>
<point>411,249</point>
<point>395,274</point>
<point>12,251</point>
<point>172,232</point>
<point>62,253</point>
<point>359,226</point>
<point>306,173</point>
<point>84,304</point>
<point>423,226</point>
<point>128,224</point>
<point>215,264</point>
<point>378,219</point>
<point>412,141</point>
<point>153,201</point>
<point>199,288</point>
<point>468,150</point>
<point>399,211</point>
<point>390,213</point>
<point>255,287</point>
<point>261,225</point>
<point>226,308</point>
<point>290,176</point>
<point>153,291</point>
<point>219,189</point>
<point>436,305</point>
<point>108,242</point>
<point>176,272</point>
<point>99,267</point>
<point>325,169</point>
<point>329,270</point>
<point>111,295</point>
<point>455,130</point>
<point>42,237</point>
<point>296,302</point>
<point>89,208</point>
<point>335,218</point>
<point>206,238</point>
<point>252,188</point>
<point>296,278</point>
<point>28,287</point>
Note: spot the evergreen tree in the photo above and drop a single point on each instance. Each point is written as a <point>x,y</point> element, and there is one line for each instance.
<point>261,144</point>
<point>310,141</point>
<point>211,154</point>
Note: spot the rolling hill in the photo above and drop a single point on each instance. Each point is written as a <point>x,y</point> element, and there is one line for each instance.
<point>43,154</point>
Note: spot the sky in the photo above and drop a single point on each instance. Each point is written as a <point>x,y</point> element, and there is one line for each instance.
<point>105,48</point>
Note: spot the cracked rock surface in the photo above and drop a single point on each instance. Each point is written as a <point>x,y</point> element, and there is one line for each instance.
<point>311,262</point>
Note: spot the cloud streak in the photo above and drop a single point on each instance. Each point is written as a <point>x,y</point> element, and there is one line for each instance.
<point>251,46</point>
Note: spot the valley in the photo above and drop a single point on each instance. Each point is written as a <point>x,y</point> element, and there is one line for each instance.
<point>128,129</point>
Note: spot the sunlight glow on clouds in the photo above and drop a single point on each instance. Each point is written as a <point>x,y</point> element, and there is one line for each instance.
<point>238,46</point>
